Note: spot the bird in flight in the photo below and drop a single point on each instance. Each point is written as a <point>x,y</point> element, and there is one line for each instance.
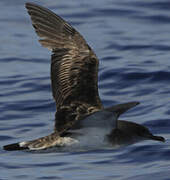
<point>74,81</point>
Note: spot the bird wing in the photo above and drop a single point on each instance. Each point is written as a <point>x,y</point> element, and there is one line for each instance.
<point>74,65</point>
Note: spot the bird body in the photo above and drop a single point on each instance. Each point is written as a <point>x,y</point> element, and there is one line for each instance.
<point>81,120</point>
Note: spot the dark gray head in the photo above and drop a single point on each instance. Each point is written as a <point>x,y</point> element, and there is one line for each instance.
<point>129,132</point>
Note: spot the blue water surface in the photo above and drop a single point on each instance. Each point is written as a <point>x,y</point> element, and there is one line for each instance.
<point>132,40</point>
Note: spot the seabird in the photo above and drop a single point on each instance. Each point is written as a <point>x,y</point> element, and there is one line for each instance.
<point>80,119</point>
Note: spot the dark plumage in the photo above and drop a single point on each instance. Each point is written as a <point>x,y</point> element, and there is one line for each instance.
<point>74,80</point>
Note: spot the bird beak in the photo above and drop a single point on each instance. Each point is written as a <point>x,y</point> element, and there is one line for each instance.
<point>157,138</point>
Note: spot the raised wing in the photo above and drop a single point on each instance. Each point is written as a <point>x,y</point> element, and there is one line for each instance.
<point>74,66</point>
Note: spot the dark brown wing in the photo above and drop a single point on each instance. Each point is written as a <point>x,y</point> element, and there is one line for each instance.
<point>74,66</point>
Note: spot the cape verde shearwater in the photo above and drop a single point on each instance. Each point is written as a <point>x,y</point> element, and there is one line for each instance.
<point>80,119</point>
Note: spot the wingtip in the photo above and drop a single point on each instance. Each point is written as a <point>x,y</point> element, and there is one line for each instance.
<point>14,147</point>
<point>27,4</point>
<point>132,104</point>
<point>137,102</point>
<point>121,108</point>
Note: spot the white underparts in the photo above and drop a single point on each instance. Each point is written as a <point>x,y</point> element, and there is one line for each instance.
<point>67,141</point>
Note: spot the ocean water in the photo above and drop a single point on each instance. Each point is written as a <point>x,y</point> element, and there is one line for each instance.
<point>132,40</point>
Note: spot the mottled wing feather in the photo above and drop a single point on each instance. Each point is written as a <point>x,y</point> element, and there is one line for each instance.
<point>74,65</point>
<point>52,140</point>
